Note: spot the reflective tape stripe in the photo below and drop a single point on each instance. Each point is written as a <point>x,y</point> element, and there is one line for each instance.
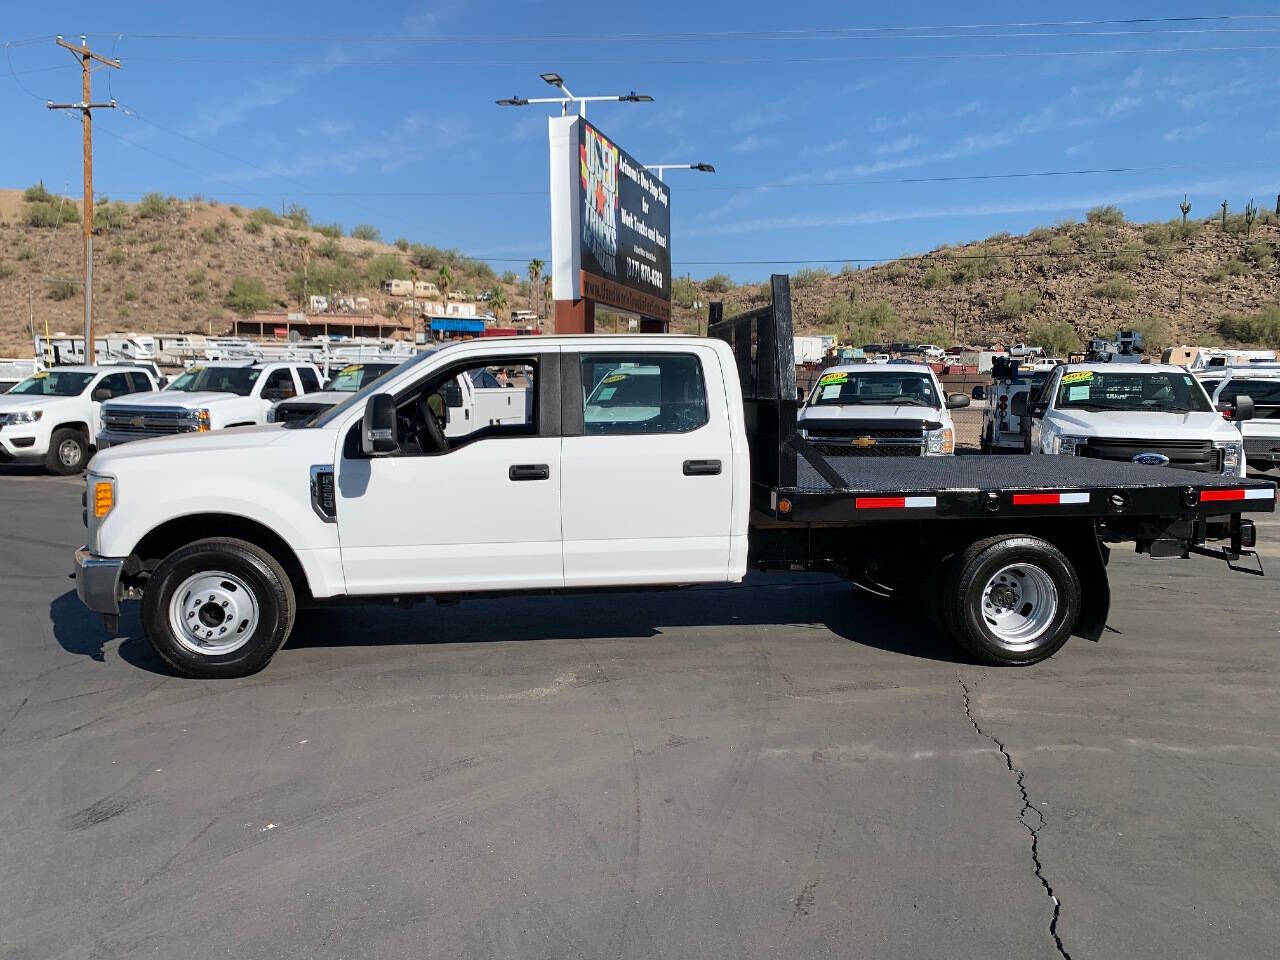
<point>1217,496</point>
<point>894,503</point>
<point>1048,499</point>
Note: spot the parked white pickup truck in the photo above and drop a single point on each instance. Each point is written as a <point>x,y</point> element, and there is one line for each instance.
<point>1145,413</point>
<point>206,397</point>
<point>639,461</point>
<point>869,410</point>
<point>352,377</point>
<point>54,416</point>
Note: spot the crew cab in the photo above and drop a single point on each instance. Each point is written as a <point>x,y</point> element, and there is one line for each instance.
<point>692,474</point>
<point>1144,413</point>
<point>1261,384</point>
<point>205,397</point>
<point>53,417</point>
<point>895,410</point>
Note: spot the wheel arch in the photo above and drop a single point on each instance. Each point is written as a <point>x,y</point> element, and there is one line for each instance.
<point>79,425</point>
<point>176,532</point>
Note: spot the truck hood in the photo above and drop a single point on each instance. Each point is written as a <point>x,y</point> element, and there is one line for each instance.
<point>240,438</point>
<point>327,398</point>
<point>901,411</point>
<point>1145,426</point>
<point>175,398</point>
<point>10,403</point>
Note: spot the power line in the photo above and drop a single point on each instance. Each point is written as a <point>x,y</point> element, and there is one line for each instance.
<point>420,64</point>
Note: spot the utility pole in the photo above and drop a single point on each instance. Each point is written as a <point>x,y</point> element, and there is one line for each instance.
<point>86,106</point>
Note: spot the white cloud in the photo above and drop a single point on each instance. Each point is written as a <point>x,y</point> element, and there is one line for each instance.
<point>1186,133</point>
<point>825,149</point>
<point>764,117</point>
<point>1122,105</point>
<point>1084,146</point>
<point>1134,80</point>
<point>885,124</point>
<point>230,112</point>
<point>747,145</point>
<point>900,145</point>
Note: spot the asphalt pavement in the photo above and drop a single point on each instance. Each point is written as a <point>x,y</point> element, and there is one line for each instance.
<point>780,769</point>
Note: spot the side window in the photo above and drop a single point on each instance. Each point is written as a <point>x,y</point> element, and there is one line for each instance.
<point>116,383</point>
<point>486,398</point>
<point>140,382</point>
<point>279,385</point>
<point>642,393</point>
<point>310,382</point>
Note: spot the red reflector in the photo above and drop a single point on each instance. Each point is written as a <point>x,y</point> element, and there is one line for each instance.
<point>1036,499</point>
<point>879,503</point>
<point>1211,495</point>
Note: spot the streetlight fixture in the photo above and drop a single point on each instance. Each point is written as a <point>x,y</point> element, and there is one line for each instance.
<point>557,81</point>
<point>660,167</point>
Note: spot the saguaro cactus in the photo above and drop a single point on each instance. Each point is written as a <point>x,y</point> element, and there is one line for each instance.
<point>1224,216</point>
<point>1185,207</point>
<point>1250,214</point>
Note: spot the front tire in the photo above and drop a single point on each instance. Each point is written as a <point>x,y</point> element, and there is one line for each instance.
<point>218,608</point>
<point>1011,600</point>
<point>68,452</point>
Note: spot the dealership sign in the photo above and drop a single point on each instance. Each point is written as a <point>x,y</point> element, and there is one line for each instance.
<point>610,223</point>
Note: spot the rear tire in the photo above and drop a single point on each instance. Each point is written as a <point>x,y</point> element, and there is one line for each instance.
<point>218,608</point>
<point>68,452</point>
<point>1011,600</point>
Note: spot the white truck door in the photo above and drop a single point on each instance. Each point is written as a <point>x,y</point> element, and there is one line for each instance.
<point>481,514</point>
<point>647,467</point>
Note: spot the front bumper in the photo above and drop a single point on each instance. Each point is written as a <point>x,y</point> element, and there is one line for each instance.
<point>21,449</point>
<point>98,582</point>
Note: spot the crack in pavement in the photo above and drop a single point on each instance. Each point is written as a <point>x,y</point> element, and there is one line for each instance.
<point>1032,827</point>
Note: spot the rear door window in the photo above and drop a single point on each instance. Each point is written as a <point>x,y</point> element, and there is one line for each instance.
<point>310,382</point>
<point>634,393</point>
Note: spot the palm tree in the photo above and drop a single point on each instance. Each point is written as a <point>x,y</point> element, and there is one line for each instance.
<point>498,301</point>
<point>535,271</point>
<point>444,280</point>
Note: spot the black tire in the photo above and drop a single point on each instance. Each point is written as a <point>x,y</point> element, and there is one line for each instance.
<point>986,445</point>
<point>68,452</point>
<point>972,625</point>
<point>251,569</point>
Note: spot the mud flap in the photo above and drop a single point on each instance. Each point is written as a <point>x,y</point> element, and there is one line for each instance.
<point>1090,558</point>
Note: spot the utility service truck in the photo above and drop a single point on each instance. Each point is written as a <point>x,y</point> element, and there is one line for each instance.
<point>692,477</point>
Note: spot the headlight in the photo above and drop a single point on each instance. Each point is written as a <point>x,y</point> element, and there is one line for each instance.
<point>940,442</point>
<point>200,418</point>
<point>1232,454</point>
<point>1068,446</point>
<point>25,416</point>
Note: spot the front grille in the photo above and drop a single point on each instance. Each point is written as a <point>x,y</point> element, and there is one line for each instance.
<point>872,442</point>
<point>152,423</point>
<point>1183,454</point>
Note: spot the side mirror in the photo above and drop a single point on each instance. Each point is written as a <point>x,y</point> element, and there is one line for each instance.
<point>1039,409</point>
<point>104,393</point>
<point>979,392</point>
<point>1243,410</point>
<point>378,433</point>
<point>957,401</point>
<point>452,394</point>
<point>1018,405</point>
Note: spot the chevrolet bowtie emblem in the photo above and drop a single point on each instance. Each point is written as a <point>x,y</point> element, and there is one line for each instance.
<point>862,442</point>
<point>137,421</point>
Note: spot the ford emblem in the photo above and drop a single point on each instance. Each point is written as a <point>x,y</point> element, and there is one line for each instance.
<point>1151,459</point>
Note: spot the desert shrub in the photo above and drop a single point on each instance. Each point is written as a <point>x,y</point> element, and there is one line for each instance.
<point>1106,216</point>
<point>7,270</point>
<point>1155,333</point>
<point>330,250</point>
<point>510,276</point>
<point>36,193</point>
<point>1125,260</point>
<point>975,263</point>
<point>1057,337</point>
<point>112,216</point>
<point>849,270</point>
<point>1042,233</point>
<point>382,268</point>
<point>402,244</point>
<point>158,247</point>
<point>116,256</point>
<point>50,213</point>
<point>25,252</point>
<point>61,289</point>
<point>936,277</point>
<point>860,322</point>
<point>130,293</point>
<point>1262,255</point>
<point>152,205</point>
<point>330,230</point>
<point>1262,327</point>
<point>1231,268</point>
<point>717,283</point>
<point>297,217</point>
<point>895,270</point>
<point>253,226</point>
<point>209,236</point>
<point>1065,223</point>
<point>247,295</point>
<point>235,210</point>
<point>997,237</point>
<point>366,231</point>
<point>1093,238</point>
<point>262,216</point>
<point>809,277</point>
<point>683,292</point>
<point>1016,303</point>
<point>1060,246</point>
<point>1114,288</point>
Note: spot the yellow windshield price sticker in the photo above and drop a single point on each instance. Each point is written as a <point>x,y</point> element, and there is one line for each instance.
<point>349,370</point>
<point>833,378</point>
<point>40,376</point>
<point>1080,376</point>
<point>615,378</point>
<point>195,370</point>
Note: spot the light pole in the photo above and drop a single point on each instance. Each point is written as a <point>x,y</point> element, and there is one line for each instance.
<point>660,167</point>
<point>557,81</point>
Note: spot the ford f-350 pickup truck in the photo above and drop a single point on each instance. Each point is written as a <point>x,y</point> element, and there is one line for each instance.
<point>642,461</point>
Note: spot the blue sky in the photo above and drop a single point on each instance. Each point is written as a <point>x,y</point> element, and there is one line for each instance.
<point>812,123</point>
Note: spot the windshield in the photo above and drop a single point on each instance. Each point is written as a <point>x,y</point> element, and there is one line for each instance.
<point>886,388</point>
<point>1131,391</point>
<point>237,380</point>
<point>351,378</point>
<point>56,383</point>
<point>358,398</point>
